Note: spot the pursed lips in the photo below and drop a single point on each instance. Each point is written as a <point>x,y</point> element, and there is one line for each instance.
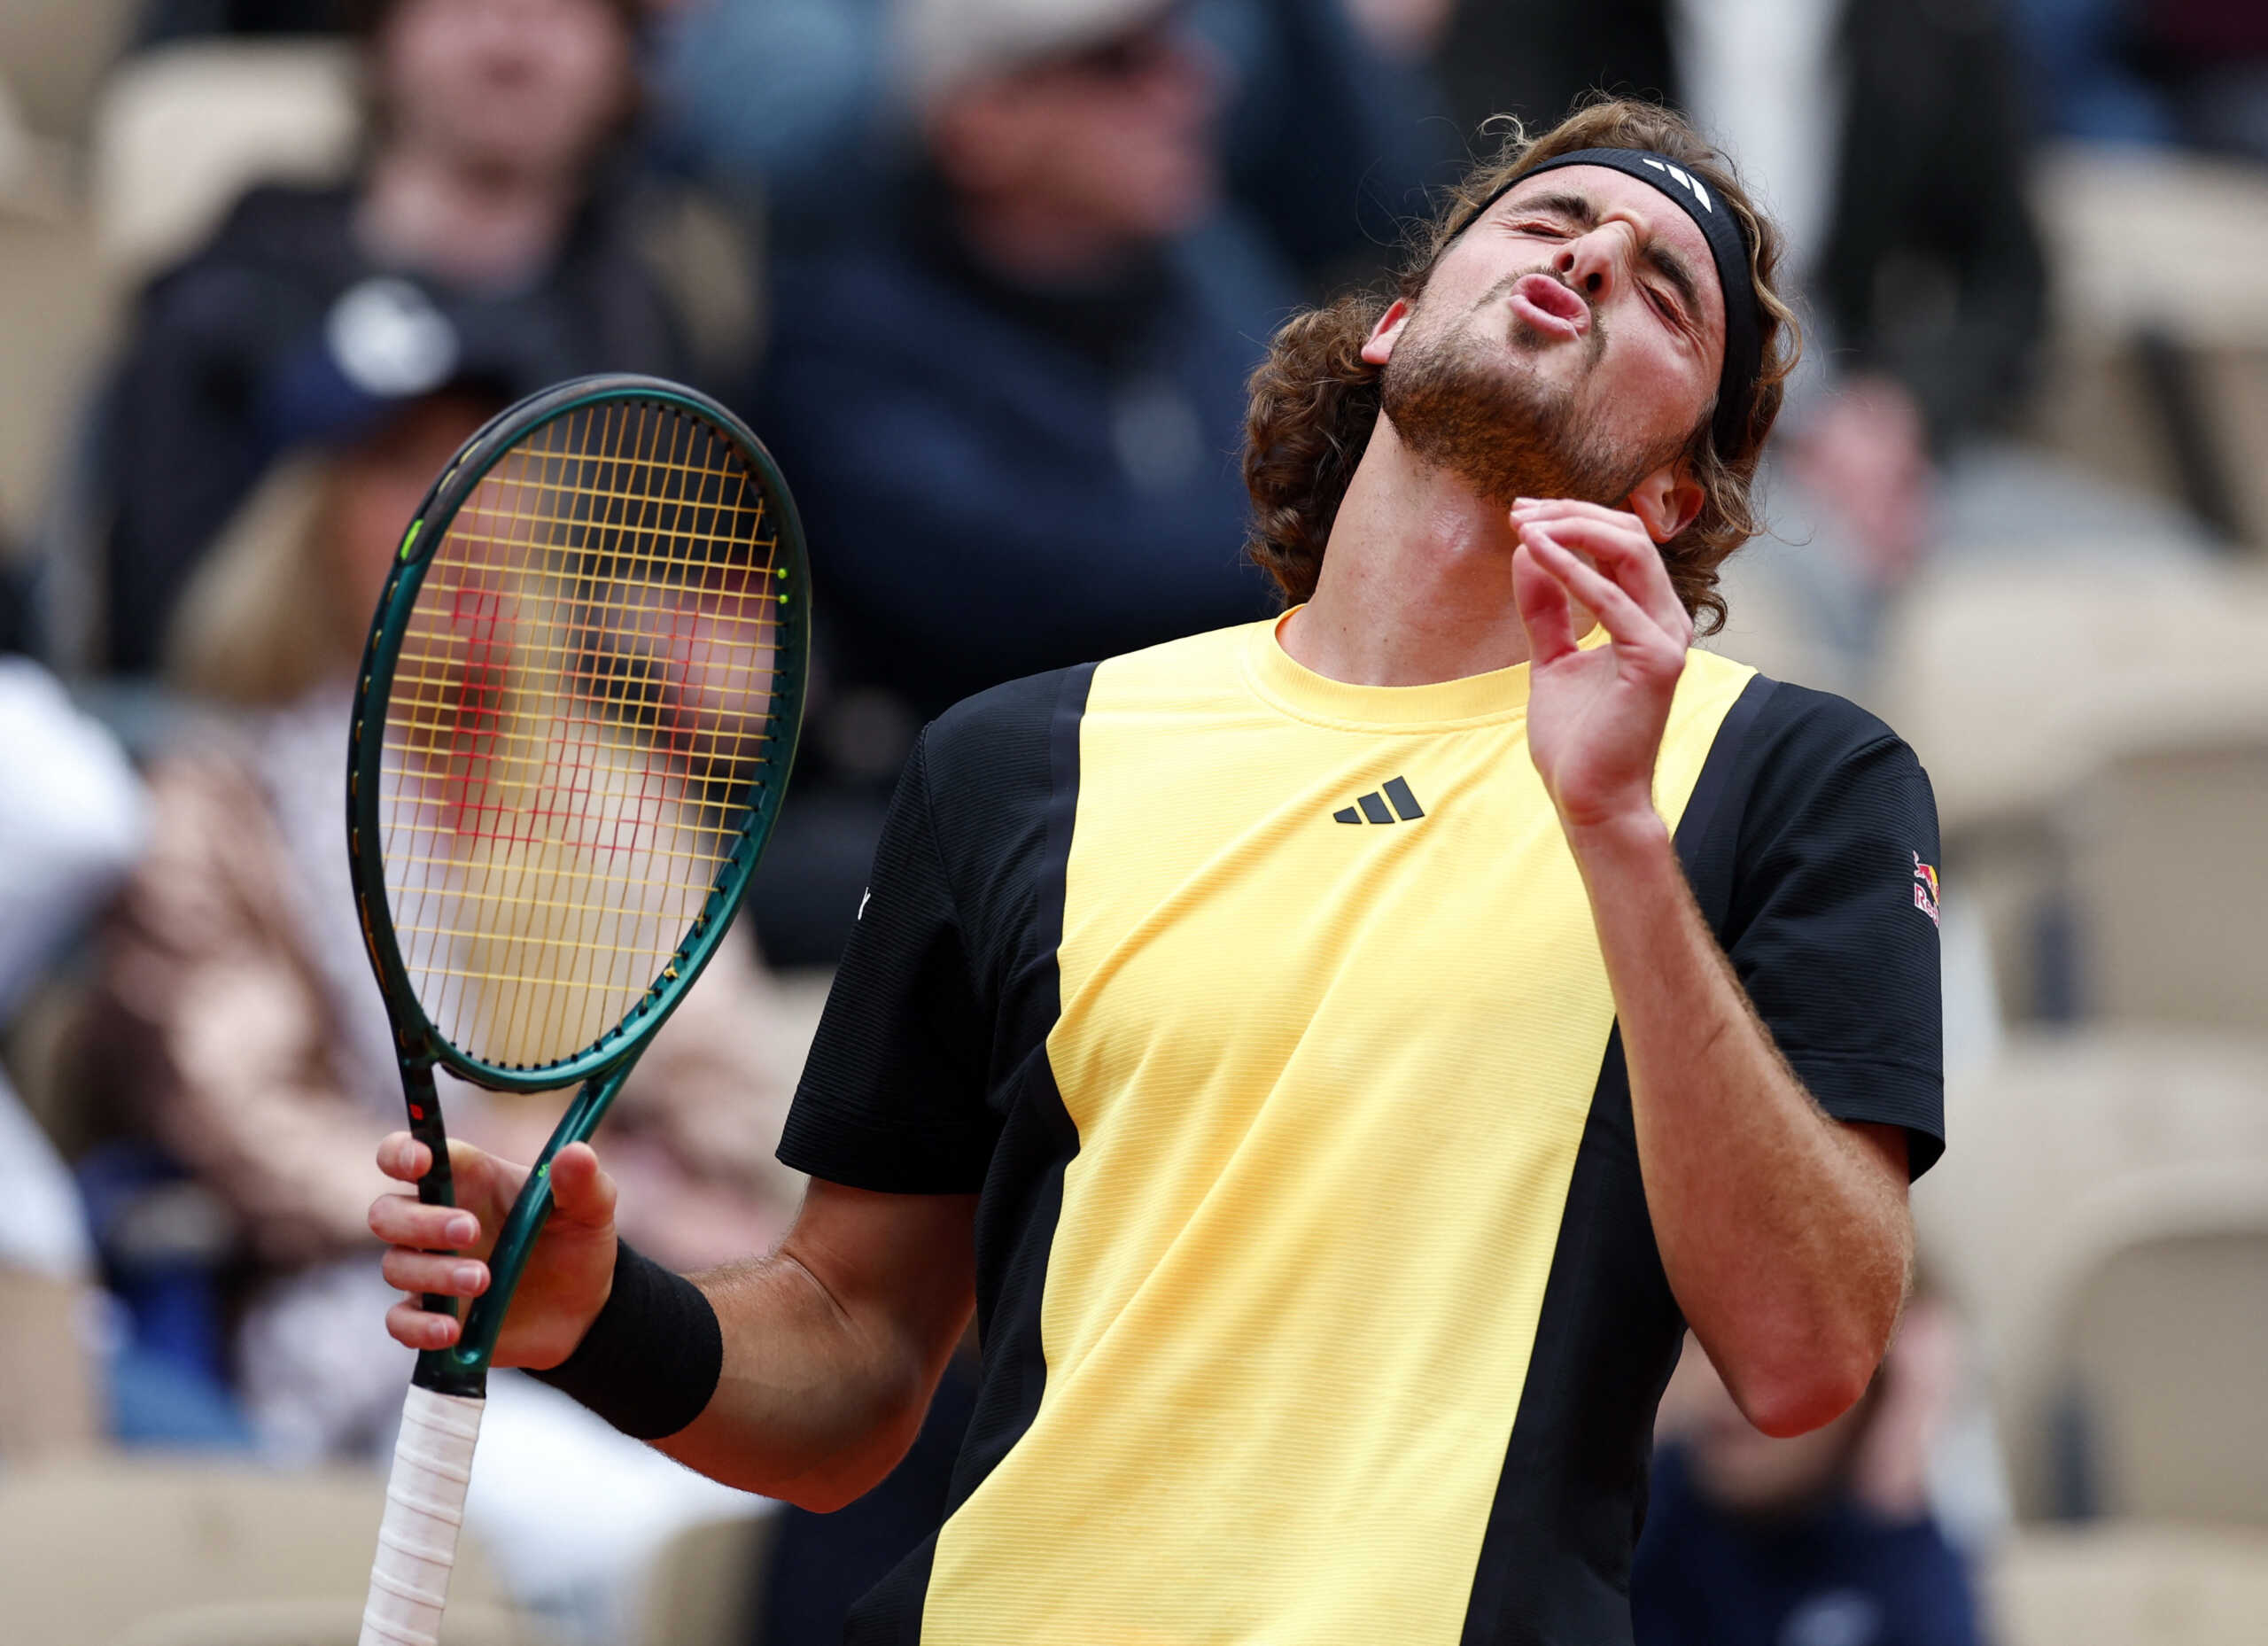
<point>1550,306</point>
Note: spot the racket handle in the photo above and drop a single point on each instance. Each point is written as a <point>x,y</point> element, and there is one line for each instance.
<point>418,1540</point>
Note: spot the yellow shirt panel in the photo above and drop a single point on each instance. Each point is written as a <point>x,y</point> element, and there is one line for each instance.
<point>1327,1118</point>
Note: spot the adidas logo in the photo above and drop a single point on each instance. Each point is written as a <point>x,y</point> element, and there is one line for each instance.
<point>1372,805</point>
<point>1692,185</point>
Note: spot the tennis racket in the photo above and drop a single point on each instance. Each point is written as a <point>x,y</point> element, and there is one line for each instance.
<point>575,722</point>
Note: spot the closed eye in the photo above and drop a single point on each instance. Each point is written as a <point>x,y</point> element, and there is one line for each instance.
<point>1677,296</point>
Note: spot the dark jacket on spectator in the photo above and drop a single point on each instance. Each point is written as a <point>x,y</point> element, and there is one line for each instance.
<point>228,363</point>
<point>1931,271</point>
<point>1835,1576</point>
<point>997,480</point>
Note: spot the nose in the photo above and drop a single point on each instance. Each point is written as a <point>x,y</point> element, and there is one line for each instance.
<point>1593,262</point>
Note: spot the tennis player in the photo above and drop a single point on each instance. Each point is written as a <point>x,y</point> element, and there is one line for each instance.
<point>1334,1057</point>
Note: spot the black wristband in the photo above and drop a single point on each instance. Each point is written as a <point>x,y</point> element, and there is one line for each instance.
<point>651,1360</point>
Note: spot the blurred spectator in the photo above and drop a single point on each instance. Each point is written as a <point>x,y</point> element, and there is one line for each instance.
<point>1825,1540</point>
<point>1333,129</point>
<point>71,819</point>
<point>494,228</point>
<point>235,1021</point>
<point>1326,138</point>
<point>1011,413</point>
<point>2191,71</point>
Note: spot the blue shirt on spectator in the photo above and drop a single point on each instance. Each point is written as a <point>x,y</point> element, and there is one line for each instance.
<point>1834,1575</point>
<point>998,480</point>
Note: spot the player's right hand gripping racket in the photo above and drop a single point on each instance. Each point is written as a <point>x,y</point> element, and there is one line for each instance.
<point>576,718</point>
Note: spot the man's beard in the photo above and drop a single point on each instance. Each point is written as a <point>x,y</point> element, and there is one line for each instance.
<point>1462,406</point>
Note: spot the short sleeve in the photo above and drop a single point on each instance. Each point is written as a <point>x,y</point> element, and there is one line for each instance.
<point>1832,920</point>
<point>892,1098</point>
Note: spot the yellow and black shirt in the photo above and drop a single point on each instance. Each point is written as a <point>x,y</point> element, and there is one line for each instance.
<point>1318,1294</point>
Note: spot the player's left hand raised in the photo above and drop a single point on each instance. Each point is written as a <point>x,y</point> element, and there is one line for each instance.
<point>1594,719</point>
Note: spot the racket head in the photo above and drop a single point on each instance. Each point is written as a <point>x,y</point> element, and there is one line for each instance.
<point>573,729</point>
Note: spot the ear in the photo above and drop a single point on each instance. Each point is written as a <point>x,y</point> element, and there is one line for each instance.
<point>1668,500</point>
<point>1380,347</point>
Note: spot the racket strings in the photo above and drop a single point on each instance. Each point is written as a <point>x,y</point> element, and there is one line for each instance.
<point>581,710</point>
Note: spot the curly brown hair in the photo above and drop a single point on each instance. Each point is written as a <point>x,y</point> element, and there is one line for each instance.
<point>1314,399</point>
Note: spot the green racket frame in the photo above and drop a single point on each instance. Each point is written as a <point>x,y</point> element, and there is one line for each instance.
<point>601,1066</point>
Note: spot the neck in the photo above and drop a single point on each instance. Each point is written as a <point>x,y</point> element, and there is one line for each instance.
<point>1416,583</point>
<point>466,224</point>
<point>1040,245</point>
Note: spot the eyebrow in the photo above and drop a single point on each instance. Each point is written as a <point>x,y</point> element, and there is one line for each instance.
<point>1582,212</point>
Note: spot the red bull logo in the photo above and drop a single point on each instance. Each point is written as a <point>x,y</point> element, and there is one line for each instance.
<point>1925,889</point>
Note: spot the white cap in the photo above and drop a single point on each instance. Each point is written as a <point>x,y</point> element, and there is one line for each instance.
<point>942,44</point>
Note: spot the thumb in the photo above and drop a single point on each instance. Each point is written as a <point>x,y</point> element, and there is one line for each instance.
<point>581,1192</point>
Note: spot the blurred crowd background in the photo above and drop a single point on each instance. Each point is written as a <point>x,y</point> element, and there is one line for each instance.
<point>989,275</point>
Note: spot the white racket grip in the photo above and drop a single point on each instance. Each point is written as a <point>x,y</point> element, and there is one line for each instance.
<point>418,1540</point>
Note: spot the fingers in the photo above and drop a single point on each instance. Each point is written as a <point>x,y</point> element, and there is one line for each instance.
<point>402,1158</point>
<point>1625,621</point>
<point>1619,544</point>
<point>403,1220</point>
<point>1546,612</point>
<point>434,1272</point>
<point>581,1193</point>
<point>407,1324</point>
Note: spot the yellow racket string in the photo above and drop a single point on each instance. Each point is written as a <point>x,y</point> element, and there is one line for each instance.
<point>578,713</point>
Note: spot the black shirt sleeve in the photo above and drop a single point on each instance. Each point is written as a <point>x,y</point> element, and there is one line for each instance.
<point>1826,888</point>
<point>893,1097</point>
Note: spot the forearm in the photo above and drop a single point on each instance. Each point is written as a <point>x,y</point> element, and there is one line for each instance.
<point>801,1375</point>
<point>1784,1233</point>
<point>813,1403</point>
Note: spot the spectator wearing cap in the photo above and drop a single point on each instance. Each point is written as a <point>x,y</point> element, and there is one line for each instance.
<point>1329,139</point>
<point>1011,412</point>
<point>493,231</point>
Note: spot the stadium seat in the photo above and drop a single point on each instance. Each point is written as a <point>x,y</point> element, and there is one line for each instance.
<point>48,1394</point>
<point>2161,321</point>
<point>705,1586</point>
<point>2161,1367</point>
<point>2169,877</point>
<point>2014,680</point>
<point>182,131</point>
<point>51,311</point>
<point>2017,683</point>
<point>2120,1584</point>
<point>317,1623</point>
<point>53,54</point>
<point>2066,1151</point>
<point>53,314</point>
<point>92,1549</point>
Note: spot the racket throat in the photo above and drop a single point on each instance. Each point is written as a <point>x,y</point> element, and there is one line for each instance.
<point>462,1368</point>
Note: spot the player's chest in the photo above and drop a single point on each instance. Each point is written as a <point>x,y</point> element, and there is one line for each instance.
<point>1302,916</point>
